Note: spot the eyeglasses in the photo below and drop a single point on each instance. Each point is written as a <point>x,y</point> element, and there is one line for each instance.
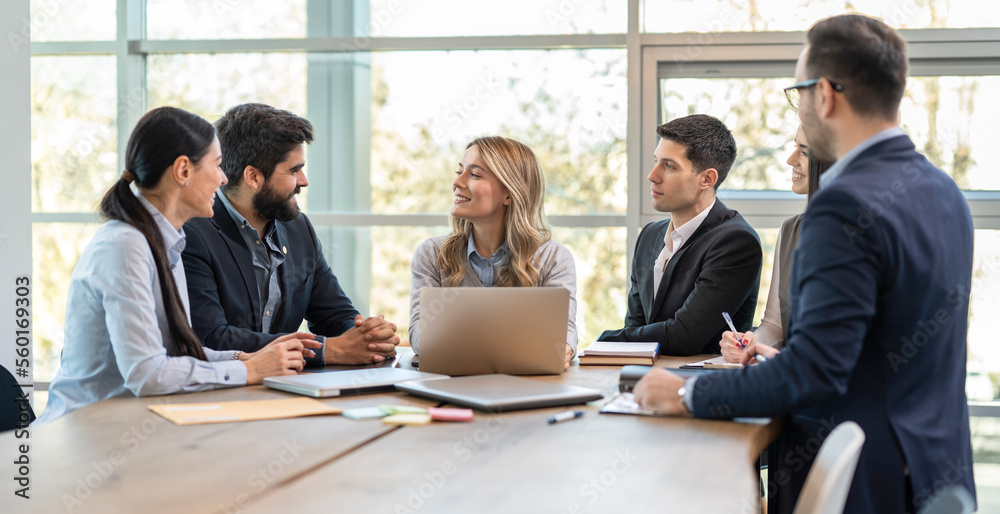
<point>792,92</point>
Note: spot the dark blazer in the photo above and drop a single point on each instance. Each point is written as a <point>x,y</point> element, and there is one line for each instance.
<point>15,411</point>
<point>881,282</point>
<point>717,270</point>
<point>222,286</point>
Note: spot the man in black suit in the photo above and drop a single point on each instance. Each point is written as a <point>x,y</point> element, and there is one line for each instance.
<point>704,260</point>
<point>256,269</point>
<point>882,275</point>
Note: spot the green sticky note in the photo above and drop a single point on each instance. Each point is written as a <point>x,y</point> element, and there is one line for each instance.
<point>365,413</point>
<point>402,409</point>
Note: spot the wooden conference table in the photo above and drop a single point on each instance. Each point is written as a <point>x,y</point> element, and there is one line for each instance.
<point>118,456</point>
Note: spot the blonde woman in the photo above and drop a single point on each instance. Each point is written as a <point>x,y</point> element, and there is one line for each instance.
<point>499,233</point>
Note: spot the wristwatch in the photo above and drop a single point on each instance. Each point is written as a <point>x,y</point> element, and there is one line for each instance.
<point>236,355</point>
<point>681,393</point>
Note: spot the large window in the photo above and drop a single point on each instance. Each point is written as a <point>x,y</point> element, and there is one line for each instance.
<point>773,15</point>
<point>437,18</point>
<point>225,19</point>
<point>567,105</point>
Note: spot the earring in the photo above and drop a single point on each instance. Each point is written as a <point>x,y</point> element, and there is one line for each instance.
<point>185,183</point>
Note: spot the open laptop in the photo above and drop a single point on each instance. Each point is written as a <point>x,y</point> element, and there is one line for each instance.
<point>483,330</point>
<point>500,393</point>
<point>371,380</point>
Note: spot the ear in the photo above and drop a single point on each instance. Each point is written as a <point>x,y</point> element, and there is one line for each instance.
<point>181,169</point>
<point>253,177</point>
<point>710,178</point>
<point>826,98</point>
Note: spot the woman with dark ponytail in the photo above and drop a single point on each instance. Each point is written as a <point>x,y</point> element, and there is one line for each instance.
<point>127,317</point>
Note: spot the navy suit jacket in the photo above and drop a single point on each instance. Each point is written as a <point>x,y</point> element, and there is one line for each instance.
<point>717,270</point>
<point>877,335</point>
<point>222,285</point>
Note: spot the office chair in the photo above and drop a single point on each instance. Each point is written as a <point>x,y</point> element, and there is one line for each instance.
<point>829,479</point>
<point>952,500</point>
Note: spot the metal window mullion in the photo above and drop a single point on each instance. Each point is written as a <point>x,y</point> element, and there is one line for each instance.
<point>339,106</point>
<point>988,35</point>
<point>363,42</point>
<point>634,147</point>
<point>39,48</point>
<point>131,67</point>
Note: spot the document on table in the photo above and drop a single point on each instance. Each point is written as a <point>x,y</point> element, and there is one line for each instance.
<point>713,363</point>
<point>228,412</point>
<point>624,403</point>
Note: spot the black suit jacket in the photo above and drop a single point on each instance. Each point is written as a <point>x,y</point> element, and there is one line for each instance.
<point>881,281</point>
<point>222,286</point>
<point>15,411</point>
<point>717,270</point>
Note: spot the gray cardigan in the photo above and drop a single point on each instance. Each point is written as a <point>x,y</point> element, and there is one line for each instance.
<point>552,259</point>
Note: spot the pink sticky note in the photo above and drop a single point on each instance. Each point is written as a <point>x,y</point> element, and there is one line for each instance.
<point>448,414</point>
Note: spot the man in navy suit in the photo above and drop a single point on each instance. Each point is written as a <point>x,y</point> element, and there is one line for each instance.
<point>256,270</point>
<point>882,277</point>
<point>702,261</point>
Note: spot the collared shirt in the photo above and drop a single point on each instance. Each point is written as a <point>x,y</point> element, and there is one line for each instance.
<point>673,240</point>
<point>267,257</point>
<point>838,167</point>
<point>117,335</point>
<point>486,269</point>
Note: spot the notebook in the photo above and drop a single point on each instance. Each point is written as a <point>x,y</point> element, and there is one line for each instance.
<point>610,353</point>
<point>500,393</point>
<point>485,330</point>
<point>340,383</point>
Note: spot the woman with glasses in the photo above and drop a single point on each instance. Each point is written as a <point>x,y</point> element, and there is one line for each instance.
<point>774,324</point>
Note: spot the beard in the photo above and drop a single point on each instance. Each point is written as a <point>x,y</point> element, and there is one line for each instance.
<point>819,136</point>
<point>270,204</point>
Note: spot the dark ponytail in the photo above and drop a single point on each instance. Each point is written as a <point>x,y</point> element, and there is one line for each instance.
<point>161,136</point>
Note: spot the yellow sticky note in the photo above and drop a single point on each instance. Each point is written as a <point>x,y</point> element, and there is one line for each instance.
<point>402,409</point>
<point>407,419</point>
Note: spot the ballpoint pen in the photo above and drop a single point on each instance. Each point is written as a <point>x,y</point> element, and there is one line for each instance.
<point>729,321</point>
<point>565,416</point>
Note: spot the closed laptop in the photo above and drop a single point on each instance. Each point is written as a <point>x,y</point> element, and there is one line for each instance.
<point>340,383</point>
<point>500,393</point>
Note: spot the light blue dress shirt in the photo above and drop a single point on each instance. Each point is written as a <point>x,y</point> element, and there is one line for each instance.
<point>116,326</point>
<point>486,269</point>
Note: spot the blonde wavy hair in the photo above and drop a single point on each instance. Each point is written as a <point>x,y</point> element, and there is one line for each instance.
<point>525,226</point>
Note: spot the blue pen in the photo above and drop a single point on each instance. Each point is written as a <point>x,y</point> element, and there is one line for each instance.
<point>729,321</point>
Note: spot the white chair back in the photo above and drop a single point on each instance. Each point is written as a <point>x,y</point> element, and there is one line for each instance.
<point>829,479</point>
